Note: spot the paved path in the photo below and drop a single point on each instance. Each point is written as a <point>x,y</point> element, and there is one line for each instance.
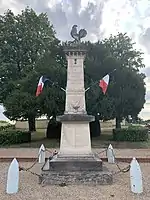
<point>33,152</point>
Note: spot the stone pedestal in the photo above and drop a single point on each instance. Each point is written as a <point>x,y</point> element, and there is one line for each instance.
<point>75,162</point>
<point>75,134</point>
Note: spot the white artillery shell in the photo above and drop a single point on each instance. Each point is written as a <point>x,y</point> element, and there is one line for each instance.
<point>136,177</point>
<point>13,177</point>
<point>42,154</point>
<point>110,154</point>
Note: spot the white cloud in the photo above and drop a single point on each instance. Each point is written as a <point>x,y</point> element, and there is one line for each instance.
<point>2,116</point>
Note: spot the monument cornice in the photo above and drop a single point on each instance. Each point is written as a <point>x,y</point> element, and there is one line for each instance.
<point>75,47</point>
<point>75,117</point>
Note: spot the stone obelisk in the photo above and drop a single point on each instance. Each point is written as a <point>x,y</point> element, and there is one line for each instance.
<point>75,133</point>
<point>75,161</point>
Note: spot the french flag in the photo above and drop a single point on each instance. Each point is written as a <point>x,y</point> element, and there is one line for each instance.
<point>40,85</point>
<point>103,83</point>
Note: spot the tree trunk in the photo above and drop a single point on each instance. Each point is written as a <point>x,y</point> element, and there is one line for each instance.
<point>31,122</point>
<point>53,130</point>
<point>95,129</point>
<point>118,122</point>
<point>100,130</point>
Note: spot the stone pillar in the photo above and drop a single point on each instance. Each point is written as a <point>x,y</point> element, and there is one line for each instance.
<point>75,92</point>
<point>75,133</point>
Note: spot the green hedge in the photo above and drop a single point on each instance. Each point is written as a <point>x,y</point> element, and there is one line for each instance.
<point>133,134</point>
<point>8,137</point>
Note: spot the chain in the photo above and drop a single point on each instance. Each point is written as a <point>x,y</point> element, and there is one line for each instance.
<point>27,170</point>
<point>35,162</point>
<point>105,150</point>
<point>124,170</point>
<point>120,170</point>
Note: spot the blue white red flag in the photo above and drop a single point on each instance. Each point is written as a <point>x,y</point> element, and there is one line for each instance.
<point>104,83</point>
<point>40,85</point>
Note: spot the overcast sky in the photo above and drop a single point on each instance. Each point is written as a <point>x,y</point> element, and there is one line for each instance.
<point>100,17</point>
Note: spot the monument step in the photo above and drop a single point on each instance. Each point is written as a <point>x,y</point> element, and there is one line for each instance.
<point>73,163</point>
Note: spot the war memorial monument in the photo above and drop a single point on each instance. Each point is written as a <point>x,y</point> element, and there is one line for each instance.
<point>75,163</point>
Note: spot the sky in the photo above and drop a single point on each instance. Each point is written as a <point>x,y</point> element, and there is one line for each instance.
<point>100,18</point>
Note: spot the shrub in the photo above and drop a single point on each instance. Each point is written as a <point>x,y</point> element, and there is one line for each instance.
<point>14,137</point>
<point>132,134</point>
<point>8,126</point>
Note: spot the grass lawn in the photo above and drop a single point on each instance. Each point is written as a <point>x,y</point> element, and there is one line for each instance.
<point>103,141</point>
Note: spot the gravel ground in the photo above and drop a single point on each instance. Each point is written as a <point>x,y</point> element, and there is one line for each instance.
<point>29,188</point>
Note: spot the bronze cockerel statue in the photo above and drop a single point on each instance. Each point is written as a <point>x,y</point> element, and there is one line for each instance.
<point>77,36</point>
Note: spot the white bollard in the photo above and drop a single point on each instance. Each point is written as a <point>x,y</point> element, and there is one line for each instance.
<point>110,154</point>
<point>136,177</point>
<point>42,154</point>
<point>13,177</point>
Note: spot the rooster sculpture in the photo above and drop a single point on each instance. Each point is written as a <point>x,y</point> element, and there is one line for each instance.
<point>77,36</point>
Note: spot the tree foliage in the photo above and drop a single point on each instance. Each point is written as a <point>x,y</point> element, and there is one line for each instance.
<point>24,39</point>
<point>122,48</point>
<point>28,50</point>
<point>126,91</point>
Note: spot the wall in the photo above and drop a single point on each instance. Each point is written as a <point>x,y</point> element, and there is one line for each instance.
<point>108,125</point>
<point>40,124</point>
<point>21,125</point>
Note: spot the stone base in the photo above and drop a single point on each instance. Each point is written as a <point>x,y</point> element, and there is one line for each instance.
<point>75,170</point>
<point>76,178</point>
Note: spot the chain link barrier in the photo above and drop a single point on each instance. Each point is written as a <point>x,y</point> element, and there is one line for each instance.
<point>120,170</point>
<point>52,153</point>
<point>35,162</point>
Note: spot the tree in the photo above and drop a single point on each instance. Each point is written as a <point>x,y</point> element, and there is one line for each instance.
<point>25,40</point>
<point>128,91</point>
<point>122,48</point>
<point>22,103</point>
<point>121,98</point>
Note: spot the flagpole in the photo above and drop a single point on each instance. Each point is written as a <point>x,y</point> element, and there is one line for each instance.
<point>63,89</point>
<point>91,85</point>
<point>56,84</point>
